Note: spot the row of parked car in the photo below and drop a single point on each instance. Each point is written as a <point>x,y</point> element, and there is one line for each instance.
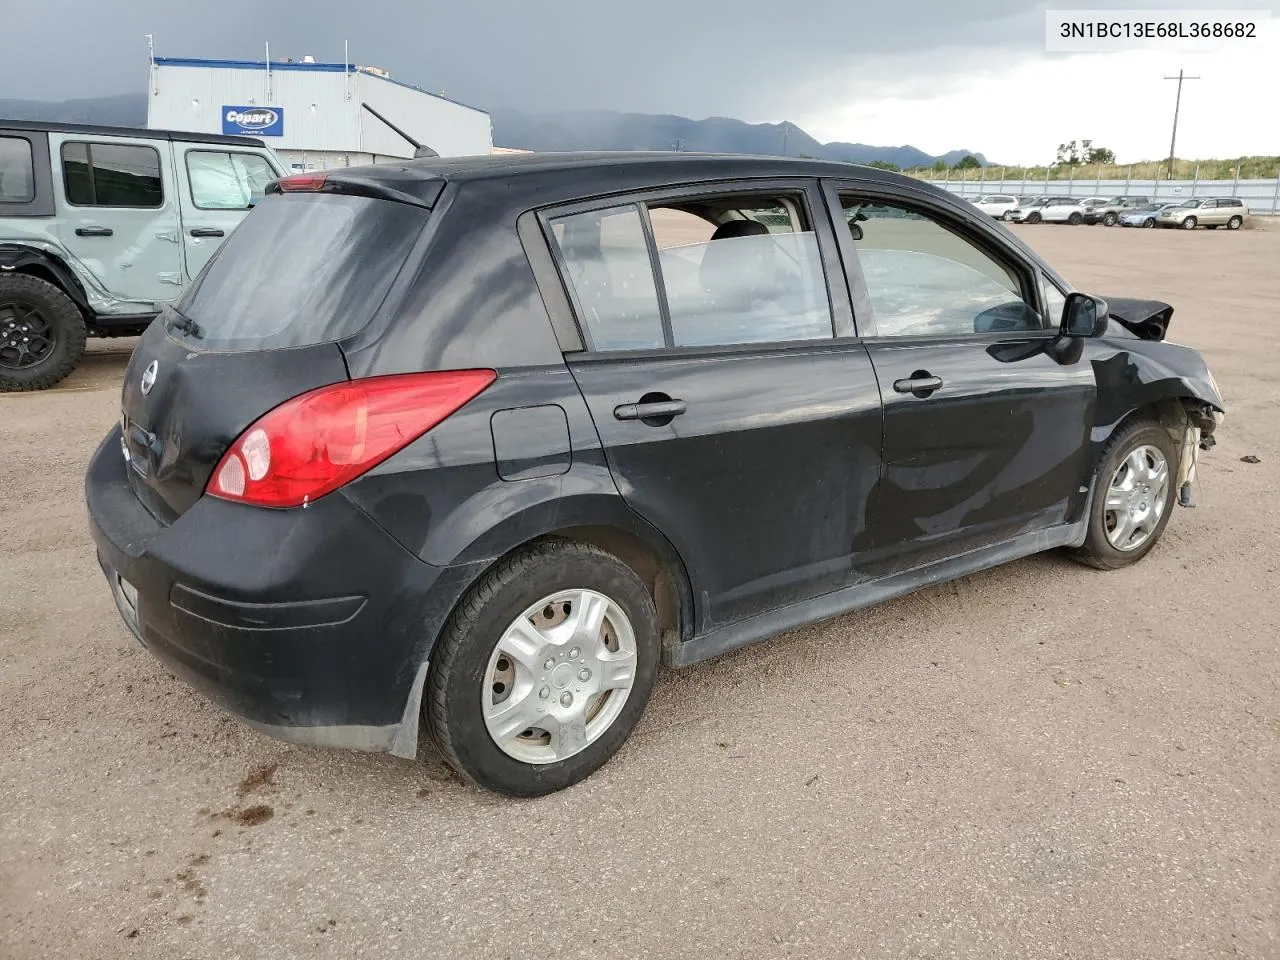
<point>1209,212</point>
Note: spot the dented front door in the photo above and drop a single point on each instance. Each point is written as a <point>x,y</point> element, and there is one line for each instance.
<point>118,214</point>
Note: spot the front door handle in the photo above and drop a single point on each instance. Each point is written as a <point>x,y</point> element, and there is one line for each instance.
<point>207,232</point>
<point>658,410</point>
<point>920,384</point>
<point>94,232</point>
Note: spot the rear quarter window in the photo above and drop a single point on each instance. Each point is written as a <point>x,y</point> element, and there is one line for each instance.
<point>17,172</point>
<point>301,269</point>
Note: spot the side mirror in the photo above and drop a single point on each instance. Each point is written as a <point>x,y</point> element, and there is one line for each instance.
<point>1083,316</point>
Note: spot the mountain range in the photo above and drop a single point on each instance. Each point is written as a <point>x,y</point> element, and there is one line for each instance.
<point>565,130</point>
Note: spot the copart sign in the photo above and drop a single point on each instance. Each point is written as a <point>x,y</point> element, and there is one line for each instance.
<point>253,121</point>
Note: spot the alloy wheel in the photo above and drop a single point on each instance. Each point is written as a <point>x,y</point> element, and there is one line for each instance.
<point>1137,497</point>
<point>559,676</point>
<point>26,336</point>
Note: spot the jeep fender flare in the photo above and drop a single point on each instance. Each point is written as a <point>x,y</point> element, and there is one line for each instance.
<point>20,258</point>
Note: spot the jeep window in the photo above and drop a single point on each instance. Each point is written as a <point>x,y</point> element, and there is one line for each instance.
<point>111,175</point>
<point>17,173</point>
<point>300,269</point>
<point>227,181</point>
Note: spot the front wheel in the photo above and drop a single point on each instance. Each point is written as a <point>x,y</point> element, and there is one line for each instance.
<point>1149,223</point>
<point>543,671</point>
<point>1034,218</point>
<point>1132,497</point>
<point>1234,223</point>
<point>1189,223</point>
<point>42,333</point>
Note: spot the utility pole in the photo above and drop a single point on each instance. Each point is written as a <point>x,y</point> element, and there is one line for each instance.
<point>1176,105</point>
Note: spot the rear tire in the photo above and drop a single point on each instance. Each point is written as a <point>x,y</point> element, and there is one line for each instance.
<point>42,333</point>
<point>513,636</point>
<point>1189,223</point>
<point>1235,223</point>
<point>1109,219</point>
<point>1118,487</point>
<point>1075,219</point>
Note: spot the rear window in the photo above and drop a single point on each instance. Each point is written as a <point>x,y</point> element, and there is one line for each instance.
<point>301,269</point>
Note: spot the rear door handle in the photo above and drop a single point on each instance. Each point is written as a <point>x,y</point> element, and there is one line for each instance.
<point>94,232</point>
<point>650,411</point>
<point>920,384</point>
<point>207,232</point>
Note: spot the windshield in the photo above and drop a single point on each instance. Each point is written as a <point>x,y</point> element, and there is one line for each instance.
<point>1189,203</point>
<point>301,269</point>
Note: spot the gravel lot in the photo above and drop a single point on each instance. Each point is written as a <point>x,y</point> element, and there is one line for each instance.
<point>1037,761</point>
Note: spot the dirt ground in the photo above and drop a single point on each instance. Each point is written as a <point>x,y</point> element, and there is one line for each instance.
<point>1037,761</point>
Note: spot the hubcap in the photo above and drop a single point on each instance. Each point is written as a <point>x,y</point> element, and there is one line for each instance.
<point>26,337</point>
<point>1136,498</point>
<point>559,676</point>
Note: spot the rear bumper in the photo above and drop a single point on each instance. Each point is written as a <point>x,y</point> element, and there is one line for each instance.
<point>313,625</point>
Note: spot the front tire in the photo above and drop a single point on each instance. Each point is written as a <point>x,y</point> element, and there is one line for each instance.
<point>544,669</point>
<point>1133,496</point>
<point>1034,218</point>
<point>42,333</point>
<point>1189,223</point>
<point>1149,223</point>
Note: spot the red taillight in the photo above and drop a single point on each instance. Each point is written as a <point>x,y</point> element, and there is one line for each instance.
<point>316,442</point>
<point>302,182</point>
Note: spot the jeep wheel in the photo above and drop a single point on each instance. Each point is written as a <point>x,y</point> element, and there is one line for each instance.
<point>1109,219</point>
<point>41,333</point>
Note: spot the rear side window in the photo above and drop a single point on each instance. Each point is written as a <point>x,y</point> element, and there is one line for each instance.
<point>112,175</point>
<point>301,269</point>
<point>227,181</point>
<point>17,173</point>
<point>732,270</point>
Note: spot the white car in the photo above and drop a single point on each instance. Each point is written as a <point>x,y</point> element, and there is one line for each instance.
<point>1063,210</point>
<point>998,205</point>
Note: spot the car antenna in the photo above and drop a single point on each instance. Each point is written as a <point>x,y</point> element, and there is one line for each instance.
<point>418,149</point>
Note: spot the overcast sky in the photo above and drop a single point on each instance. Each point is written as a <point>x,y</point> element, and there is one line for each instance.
<point>937,74</point>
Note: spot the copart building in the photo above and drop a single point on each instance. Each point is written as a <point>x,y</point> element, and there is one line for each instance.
<point>314,115</point>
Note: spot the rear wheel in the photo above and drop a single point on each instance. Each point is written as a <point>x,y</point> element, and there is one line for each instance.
<point>1132,498</point>
<point>1189,223</point>
<point>42,333</point>
<point>1109,219</point>
<point>543,671</point>
<point>1235,223</point>
<point>1075,219</point>
<point>1007,215</point>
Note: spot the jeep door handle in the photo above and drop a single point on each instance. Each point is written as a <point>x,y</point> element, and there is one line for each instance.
<point>94,232</point>
<point>646,411</point>
<point>207,232</point>
<point>920,384</point>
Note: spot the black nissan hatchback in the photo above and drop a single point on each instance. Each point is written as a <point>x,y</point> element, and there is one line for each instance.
<point>482,441</point>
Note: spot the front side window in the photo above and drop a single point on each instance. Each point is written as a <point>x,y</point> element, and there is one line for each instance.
<point>17,172</point>
<point>923,279</point>
<point>227,181</point>
<point>111,175</point>
<point>733,270</point>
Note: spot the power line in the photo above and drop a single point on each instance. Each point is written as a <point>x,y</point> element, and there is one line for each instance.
<point>1176,105</point>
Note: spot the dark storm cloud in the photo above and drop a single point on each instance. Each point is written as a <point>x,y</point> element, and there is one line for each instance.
<point>750,58</point>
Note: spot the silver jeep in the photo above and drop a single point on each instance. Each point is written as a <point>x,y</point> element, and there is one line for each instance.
<point>101,227</point>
